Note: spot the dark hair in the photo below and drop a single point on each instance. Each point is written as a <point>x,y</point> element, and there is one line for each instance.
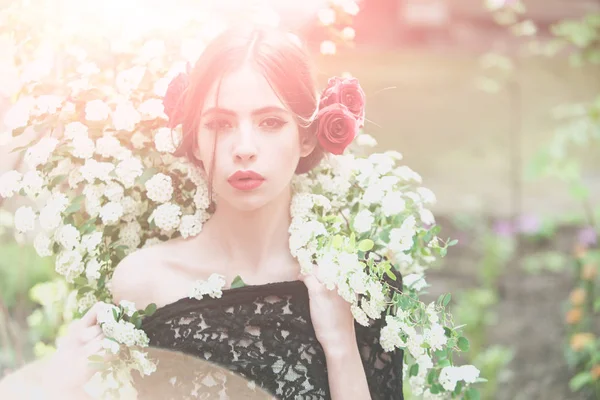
<point>280,58</point>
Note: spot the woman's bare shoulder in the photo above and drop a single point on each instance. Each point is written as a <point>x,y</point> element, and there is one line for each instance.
<point>142,275</point>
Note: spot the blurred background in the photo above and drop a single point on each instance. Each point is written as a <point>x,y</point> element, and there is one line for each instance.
<point>496,104</point>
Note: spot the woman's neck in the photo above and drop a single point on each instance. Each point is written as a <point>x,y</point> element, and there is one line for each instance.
<point>256,241</point>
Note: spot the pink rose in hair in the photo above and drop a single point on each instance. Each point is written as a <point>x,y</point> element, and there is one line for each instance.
<point>173,99</point>
<point>348,92</point>
<point>337,128</point>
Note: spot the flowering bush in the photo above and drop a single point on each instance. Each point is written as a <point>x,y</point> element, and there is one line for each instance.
<point>104,182</point>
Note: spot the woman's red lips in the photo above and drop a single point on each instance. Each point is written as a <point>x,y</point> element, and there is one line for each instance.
<point>246,180</point>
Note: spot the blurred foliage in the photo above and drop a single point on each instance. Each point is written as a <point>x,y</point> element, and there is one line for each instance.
<point>563,157</point>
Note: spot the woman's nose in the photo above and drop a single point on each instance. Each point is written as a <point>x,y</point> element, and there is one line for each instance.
<point>245,146</point>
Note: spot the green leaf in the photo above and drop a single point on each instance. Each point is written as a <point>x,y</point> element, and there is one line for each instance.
<point>84,290</point>
<point>150,309</point>
<point>580,380</point>
<point>96,358</point>
<point>80,281</point>
<point>414,369</point>
<point>458,388</point>
<point>337,241</point>
<point>365,245</point>
<point>115,314</point>
<point>444,363</point>
<point>390,274</point>
<point>453,242</point>
<point>472,394</point>
<point>446,300</point>
<point>75,205</point>
<point>147,174</point>
<point>463,344</point>
<point>237,282</point>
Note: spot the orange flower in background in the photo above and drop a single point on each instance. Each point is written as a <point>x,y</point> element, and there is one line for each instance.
<point>574,316</point>
<point>577,296</point>
<point>579,250</point>
<point>580,340</point>
<point>589,272</point>
<point>596,372</point>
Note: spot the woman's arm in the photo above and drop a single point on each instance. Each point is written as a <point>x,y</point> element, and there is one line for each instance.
<point>345,372</point>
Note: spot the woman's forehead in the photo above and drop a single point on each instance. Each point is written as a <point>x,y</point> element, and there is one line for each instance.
<point>243,91</point>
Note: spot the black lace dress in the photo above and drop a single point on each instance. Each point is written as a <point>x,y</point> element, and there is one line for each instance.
<point>263,334</point>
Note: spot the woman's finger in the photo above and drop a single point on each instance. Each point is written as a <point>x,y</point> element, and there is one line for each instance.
<point>313,284</point>
<point>90,318</point>
<point>93,347</point>
<point>90,333</point>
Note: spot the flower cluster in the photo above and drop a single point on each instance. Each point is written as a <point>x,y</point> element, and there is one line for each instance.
<point>104,182</point>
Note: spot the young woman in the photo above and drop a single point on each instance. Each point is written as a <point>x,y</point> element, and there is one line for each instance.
<point>249,114</point>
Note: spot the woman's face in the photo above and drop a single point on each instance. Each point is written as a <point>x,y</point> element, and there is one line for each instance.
<point>258,140</point>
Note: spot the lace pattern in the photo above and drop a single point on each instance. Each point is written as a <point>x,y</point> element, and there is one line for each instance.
<point>260,333</point>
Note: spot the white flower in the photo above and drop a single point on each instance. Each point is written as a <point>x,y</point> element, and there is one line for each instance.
<point>111,212</point>
<point>328,47</point>
<point>211,287</point>
<point>96,110</point>
<point>448,378</point>
<point>159,188</point>
<point>348,33</point>
<point>167,216</point>
<point>152,49</point>
<point>359,315</point>
<point>366,140</point>
<point>326,16</point>
<point>125,117</point>
<point>69,264</point>
<point>86,302</point>
<point>390,334</point>
<point>414,343</point>
<point>83,146</point>
<point>363,221</point>
<point>373,194</point>
<point>427,196</point>
<point>151,242</point>
<point>93,170</point>
<point>435,336</point>
<point>74,129</point>
<point>110,345</point>
<point>50,215</point>
<point>114,191</point>
<point>401,239</point>
<point>191,225</point>
<point>91,241</point>
<point>152,109</point>
<point>32,183</point>
<point>43,245</point>
<point>24,219</point>
<point>47,104</point>
<point>128,307</point>
<point>426,216</point>
<point>68,236</point>
<point>167,140</point>
<point>405,173</point>
<point>129,235</point>
<point>10,183</point>
<point>128,171</point>
<point>358,281</point>
<point>75,178</point>
<point>143,364</point>
<point>138,140</point>
<point>350,7</point>
<point>18,115</point>
<point>130,79</point>
<point>201,199</point>
<point>39,153</point>
<point>417,384</point>
<point>468,373</point>
<point>92,269</point>
<point>382,163</point>
<point>392,204</point>
<point>414,281</point>
<point>373,308</point>
<point>109,146</point>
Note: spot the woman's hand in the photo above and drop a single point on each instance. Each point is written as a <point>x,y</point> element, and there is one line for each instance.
<point>68,369</point>
<point>331,317</point>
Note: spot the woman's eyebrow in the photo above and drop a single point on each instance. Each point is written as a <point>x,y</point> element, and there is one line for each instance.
<point>263,110</point>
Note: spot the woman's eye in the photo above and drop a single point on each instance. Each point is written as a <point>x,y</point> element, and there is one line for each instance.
<point>273,123</point>
<point>218,124</point>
